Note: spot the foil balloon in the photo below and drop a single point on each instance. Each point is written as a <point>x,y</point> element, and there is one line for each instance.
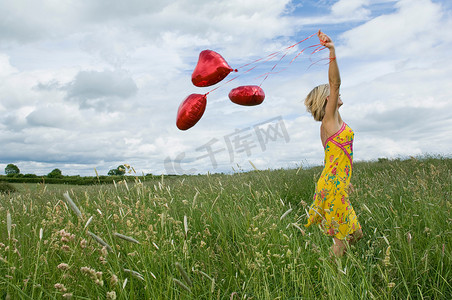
<point>190,111</point>
<point>247,95</point>
<point>211,69</point>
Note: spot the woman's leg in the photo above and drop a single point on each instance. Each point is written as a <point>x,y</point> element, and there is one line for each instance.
<point>338,247</point>
<point>356,236</point>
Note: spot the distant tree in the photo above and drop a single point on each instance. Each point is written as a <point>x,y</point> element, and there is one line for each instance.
<point>11,169</point>
<point>112,172</point>
<point>120,170</point>
<point>56,173</point>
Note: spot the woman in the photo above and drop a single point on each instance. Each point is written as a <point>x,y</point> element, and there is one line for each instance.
<point>331,208</point>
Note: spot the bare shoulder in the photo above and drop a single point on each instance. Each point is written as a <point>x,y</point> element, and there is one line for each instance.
<point>329,127</point>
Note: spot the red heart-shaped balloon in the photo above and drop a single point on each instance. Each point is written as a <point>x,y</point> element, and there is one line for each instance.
<point>211,69</point>
<point>247,95</point>
<point>190,111</point>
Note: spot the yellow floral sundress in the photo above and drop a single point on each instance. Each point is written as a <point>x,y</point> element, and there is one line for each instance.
<point>331,208</point>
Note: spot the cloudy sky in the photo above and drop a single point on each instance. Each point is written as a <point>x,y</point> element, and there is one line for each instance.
<point>90,85</point>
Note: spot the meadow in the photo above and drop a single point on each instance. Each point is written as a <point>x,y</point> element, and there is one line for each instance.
<point>237,236</point>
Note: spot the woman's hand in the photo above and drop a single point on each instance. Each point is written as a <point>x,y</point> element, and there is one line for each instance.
<point>325,40</point>
<point>351,188</point>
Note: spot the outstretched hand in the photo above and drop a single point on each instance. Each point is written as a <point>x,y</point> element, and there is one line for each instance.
<point>325,40</point>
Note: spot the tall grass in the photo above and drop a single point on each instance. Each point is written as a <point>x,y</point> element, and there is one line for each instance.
<point>235,236</point>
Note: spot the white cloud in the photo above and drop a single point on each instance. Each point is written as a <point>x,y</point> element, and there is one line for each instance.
<point>415,28</point>
<point>57,116</point>
<point>101,90</point>
<point>5,67</point>
<point>352,9</point>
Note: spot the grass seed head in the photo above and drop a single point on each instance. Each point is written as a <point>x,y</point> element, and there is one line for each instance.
<point>72,205</point>
<point>60,287</point>
<point>114,280</point>
<point>408,237</point>
<point>184,274</point>
<point>298,227</point>
<point>285,214</point>
<point>183,286</point>
<point>134,273</point>
<point>88,222</point>
<point>111,295</point>
<point>100,241</point>
<point>8,223</point>
<point>387,259</point>
<point>155,245</point>
<point>63,266</point>
<point>185,226</point>
<point>126,238</point>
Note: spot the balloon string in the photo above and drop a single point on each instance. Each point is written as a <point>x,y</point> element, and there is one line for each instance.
<point>240,74</point>
<point>270,57</point>
<point>222,85</point>
<point>286,50</point>
<point>316,62</point>
<point>319,48</point>
<point>274,67</point>
<point>305,49</point>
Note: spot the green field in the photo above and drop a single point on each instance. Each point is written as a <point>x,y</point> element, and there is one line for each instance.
<point>235,236</point>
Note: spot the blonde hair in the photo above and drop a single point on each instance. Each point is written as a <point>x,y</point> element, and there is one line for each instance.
<point>316,101</point>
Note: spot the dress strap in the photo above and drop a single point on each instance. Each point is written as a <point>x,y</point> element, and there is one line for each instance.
<point>342,147</point>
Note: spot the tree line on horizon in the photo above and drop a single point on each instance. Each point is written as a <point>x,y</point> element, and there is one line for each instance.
<point>12,170</point>
<point>13,175</point>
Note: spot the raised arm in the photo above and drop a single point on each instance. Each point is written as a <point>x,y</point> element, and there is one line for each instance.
<point>334,80</point>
